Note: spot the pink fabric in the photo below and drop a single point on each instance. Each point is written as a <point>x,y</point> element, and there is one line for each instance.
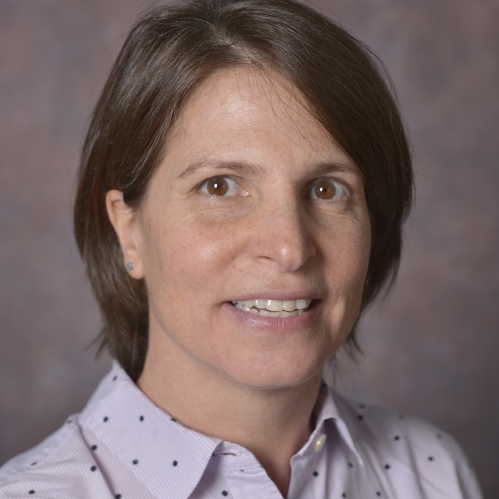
<point>122,446</point>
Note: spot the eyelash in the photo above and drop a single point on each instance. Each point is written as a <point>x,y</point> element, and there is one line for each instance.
<point>204,184</point>
<point>345,189</point>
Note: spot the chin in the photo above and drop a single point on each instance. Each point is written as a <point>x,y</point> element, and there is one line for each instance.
<point>274,373</point>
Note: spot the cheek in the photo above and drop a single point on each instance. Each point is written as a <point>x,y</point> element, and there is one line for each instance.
<point>348,251</point>
<point>188,255</point>
<point>347,263</point>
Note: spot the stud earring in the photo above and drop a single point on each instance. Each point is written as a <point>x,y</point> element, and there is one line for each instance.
<point>130,266</point>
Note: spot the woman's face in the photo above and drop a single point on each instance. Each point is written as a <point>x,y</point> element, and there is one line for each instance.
<point>253,207</point>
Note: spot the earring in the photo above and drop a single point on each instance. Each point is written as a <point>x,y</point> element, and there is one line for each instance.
<point>130,266</point>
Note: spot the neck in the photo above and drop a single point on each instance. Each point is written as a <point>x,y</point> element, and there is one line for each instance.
<point>271,423</point>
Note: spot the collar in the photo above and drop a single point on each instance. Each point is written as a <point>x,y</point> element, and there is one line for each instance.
<point>131,425</point>
<point>333,408</point>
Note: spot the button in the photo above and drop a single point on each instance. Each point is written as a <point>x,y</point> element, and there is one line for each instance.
<point>319,443</point>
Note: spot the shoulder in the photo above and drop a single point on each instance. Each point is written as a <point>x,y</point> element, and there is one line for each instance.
<point>385,425</point>
<point>386,428</point>
<point>57,468</point>
<point>410,447</point>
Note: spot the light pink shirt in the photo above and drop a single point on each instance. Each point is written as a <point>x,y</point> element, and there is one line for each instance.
<point>122,446</point>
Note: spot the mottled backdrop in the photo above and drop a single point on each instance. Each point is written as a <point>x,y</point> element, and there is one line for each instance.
<point>431,349</point>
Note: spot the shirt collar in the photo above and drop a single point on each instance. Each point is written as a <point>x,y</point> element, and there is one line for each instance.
<point>130,424</point>
<point>331,406</point>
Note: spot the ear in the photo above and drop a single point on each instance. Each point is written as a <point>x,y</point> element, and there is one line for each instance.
<point>126,225</point>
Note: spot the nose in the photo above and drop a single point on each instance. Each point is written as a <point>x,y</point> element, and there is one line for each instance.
<point>281,234</point>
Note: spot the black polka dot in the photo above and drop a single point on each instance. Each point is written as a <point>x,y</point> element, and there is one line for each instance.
<point>430,458</point>
<point>396,437</point>
<point>141,418</point>
<point>106,419</point>
<point>350,465</point>
<point>135,461</point>
<point>225,493</point>
<point>93,468</point>
<point>31,491</point>
<point>94,447</point>
<point>174,420</point>
<point>33,464</point>
<point>316,473</point>
<point>378,493</point>
<point>175,463</point>
<point>241,471</point>
<point>360,417</point>
<point>439,435</point>
<point>69,421</point>
<point>344,494</point>
<point>387,466</point>
<point>362,406</point>
<point>117,496</point>
<point>115,377</point>
<point>400,416</point>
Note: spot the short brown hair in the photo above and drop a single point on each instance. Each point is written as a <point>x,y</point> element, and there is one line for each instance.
<point>167,55</point>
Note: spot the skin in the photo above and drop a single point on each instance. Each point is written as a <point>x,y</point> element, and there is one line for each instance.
<point>223,372</point>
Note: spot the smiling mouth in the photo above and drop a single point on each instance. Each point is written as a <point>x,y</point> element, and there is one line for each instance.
<point>273,308</point>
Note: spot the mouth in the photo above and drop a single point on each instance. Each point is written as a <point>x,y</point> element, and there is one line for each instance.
<point>274,308</point>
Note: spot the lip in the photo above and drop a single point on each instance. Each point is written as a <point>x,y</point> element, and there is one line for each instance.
<point>291,324</point>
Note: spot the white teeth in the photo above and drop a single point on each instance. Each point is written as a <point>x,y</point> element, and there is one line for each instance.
<point>274,305</point>
<point>273,308</point>
<point>301,304</point>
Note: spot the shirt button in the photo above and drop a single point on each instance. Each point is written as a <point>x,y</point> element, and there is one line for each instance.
<point>319,443</point>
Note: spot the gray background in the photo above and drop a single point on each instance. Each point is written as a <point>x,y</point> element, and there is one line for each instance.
<point>431,348</point>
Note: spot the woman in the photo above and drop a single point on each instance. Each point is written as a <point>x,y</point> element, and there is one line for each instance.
<point>242,190</point>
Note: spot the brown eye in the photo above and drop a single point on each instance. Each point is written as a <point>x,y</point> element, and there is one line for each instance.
<point>324,190</point>
<point>217,186</point>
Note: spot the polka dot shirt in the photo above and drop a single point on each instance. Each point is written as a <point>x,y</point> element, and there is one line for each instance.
<point>124,447</point>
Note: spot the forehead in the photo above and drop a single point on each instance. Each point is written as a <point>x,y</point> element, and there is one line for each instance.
<point>244,92</point>
<point>243,108</point>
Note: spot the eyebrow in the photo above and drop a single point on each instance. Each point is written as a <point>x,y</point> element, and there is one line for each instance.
<point>242,167</point>
<point>330,167</point>
<point>255,170</point>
